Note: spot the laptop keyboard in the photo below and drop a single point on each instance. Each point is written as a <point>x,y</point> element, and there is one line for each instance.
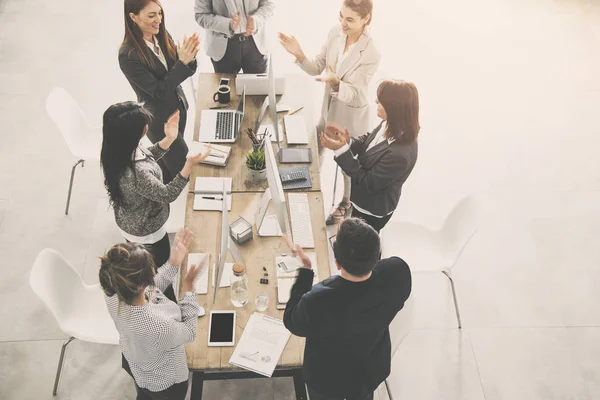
<point>224,126</point>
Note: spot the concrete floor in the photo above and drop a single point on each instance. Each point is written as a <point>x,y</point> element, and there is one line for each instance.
<point>510,93</point>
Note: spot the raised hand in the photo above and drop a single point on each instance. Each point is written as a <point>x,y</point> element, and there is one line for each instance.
<point>329,77</point>
<point>192,272</point>
<point>181,246</point>
<point>335,131</point>
<point>235,21</point>
<point>172,126</point>
<point>198,158</point>
<point>298,251</point>
<point>331,142</point>
<point>188,50</point>
<point>250,26</point>
<point>291,45</point>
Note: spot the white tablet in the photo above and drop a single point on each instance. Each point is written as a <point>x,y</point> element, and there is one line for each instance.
<point>221,328</point>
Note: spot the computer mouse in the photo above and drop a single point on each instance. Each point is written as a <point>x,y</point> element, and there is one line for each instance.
<point>201,312</point>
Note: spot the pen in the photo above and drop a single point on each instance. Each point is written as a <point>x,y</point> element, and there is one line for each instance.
<point>212,198</point>
<point>216,155</point>
<point>218,107</point>
<point>295,111</point>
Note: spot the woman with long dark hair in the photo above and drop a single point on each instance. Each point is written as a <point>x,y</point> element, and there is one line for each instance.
<point>379,162</point>
<point>133,178</point>
<point>155,67</point>
<point>152,327</point>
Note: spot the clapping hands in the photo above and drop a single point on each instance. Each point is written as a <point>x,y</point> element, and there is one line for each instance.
<point>334,137</point>
<point>187,52</point>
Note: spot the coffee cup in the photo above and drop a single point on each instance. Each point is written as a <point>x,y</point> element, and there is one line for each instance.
<point>223,94</point>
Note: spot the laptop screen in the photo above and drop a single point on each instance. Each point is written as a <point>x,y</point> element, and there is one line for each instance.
<point>241,106</point>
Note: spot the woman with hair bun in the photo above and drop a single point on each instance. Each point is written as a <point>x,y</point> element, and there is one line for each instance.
<point>346,64</point>
<point>152,328</point>
<point>378,163</point>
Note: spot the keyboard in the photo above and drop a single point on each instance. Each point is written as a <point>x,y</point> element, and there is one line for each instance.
<point>227,124</point>
<point>302,232</point>
<point>295,129</point>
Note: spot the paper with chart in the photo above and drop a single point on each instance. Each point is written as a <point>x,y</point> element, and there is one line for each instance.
<point>261,344</point>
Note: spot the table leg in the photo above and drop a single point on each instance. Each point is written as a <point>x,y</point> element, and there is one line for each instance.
<point>197,385</point>
<point>299,386</point>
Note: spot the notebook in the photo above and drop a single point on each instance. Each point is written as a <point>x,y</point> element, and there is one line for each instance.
<point>219,155</point>
<point>208,192</point>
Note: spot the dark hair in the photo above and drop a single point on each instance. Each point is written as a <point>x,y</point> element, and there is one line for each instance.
<point>134,36</point>
<point>125,269</point>
<point>364,8</point>
<point>356,247</point>
<point>122,128</point>
<point>400,99</point>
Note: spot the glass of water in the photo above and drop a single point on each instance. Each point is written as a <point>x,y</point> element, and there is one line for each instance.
<point>261,300</point>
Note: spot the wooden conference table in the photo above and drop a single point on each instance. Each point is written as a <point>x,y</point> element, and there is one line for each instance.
<point>296,95</point>
<point>212,363</point>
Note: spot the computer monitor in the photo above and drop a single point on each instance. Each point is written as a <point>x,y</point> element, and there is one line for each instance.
<point>226,243</point>
<point>278,223</point>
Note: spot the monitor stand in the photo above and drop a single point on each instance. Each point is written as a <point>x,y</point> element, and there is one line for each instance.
<point>266,224</point>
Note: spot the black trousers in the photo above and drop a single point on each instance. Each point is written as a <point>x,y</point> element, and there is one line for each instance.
<point>318,396</point>
<point>376,223</point>
<point>172,162</point>
<point>241,55</point>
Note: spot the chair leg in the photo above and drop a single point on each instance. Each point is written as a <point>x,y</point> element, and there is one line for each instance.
<point>71,184</point>
<point>60,364</point>
<point>337,167</point>
<point>454,296</point>
<point>387,388</point>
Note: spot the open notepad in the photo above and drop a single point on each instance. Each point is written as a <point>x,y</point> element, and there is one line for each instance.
<point>208,193</point>
<point>219,155</point>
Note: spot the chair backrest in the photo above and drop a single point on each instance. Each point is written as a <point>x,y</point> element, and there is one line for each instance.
<point>402,324</point>
<point>461,224</point>
<point>79,309</point>
<point>68,117</point>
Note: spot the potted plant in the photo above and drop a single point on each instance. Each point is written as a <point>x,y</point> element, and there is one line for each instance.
<point>255,161</point>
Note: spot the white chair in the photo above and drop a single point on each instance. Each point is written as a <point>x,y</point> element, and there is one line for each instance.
<point>79,309</point>
<point>84,141</point>
<point>425,250</point>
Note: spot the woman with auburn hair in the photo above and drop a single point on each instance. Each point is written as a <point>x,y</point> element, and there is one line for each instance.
<point>155,67</point>
<point>379,162</point>
<point>152,327</point>
<point>346,64</point>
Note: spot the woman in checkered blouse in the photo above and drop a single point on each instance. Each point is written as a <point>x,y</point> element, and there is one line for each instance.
<point>152,328</point>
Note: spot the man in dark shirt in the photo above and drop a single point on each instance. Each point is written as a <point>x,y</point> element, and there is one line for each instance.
<point>346,318</point>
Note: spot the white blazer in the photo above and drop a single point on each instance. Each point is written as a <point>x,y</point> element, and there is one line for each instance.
<point>215,15</point>
<point>348,107</point>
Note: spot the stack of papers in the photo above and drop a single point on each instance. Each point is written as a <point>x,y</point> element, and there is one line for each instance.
<point>209,193</point>
<point>261,344</point>
<point>287,270</point>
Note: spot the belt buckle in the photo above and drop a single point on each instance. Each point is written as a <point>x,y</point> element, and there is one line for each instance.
<point>243,38</point>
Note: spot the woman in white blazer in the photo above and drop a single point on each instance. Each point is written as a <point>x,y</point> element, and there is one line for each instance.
<point>346,64</point>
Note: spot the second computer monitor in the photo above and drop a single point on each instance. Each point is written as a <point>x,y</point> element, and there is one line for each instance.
<point>276,189</point>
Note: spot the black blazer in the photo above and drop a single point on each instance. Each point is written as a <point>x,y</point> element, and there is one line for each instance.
<point>158,88</point>
<point>378,174</point>
<point>346,325</point>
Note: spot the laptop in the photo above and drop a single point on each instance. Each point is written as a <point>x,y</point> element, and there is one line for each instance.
<point>222,126</point>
